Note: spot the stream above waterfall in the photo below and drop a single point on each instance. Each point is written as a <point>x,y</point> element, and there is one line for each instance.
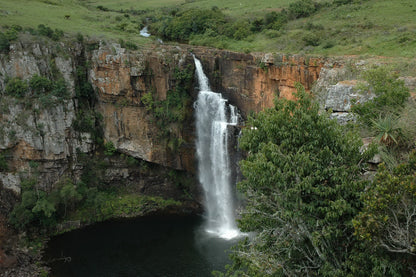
<point>146,247</point>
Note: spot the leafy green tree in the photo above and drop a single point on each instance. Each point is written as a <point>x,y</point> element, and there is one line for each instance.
<point>69,195</point>
<point>388,221</point>
<point>302,190</point>
<point>190,22</point>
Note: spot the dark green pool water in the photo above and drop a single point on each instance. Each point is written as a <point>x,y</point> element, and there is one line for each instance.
<point>151,246</point>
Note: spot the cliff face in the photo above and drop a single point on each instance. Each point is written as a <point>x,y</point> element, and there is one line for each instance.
<point>121,79</point>
<point>252,81</point>
<point>31,132</point>
<point>45,133</point>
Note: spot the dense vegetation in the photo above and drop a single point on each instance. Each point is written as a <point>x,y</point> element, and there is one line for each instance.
<point>309,208</point>
<point>302,186</point>
<point>88,200</point>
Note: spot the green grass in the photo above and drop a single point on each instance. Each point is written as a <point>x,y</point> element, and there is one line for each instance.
<point>82,19</point>
<point>370,28</point>
<point>134,4</point>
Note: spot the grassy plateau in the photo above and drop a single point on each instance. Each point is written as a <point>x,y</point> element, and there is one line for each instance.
<point>367,27</point>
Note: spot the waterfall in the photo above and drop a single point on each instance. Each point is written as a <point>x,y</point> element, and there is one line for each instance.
<point>213,118</point>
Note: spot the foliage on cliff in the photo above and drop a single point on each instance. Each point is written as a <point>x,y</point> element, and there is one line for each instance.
<point>390,95</point>
<point>303,190</point>
<point>387,222</point>
<point>175,109</point>
<point>389,115</point>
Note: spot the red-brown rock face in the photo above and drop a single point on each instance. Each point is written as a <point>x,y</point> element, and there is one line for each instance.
<point>249,81</point>
<point>252,81</point>
<point>121,79</point>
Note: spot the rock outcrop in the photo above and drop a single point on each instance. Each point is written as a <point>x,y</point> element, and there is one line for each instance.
<point>253,81</point>
<point>121,79</point>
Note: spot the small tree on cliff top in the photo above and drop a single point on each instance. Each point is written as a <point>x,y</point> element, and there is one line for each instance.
<point>302,192</point>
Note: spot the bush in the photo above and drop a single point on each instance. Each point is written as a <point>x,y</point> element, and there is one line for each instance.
<point>41,209</point>
<point>84,121</point>
<point>302,8</point>
<point>238,30</point>
<point>4,43</point>
<point>3,163</point>
<point>40,85</point>
<point>275,20</point>
<point>16,87</point>
<point>109,149</point>
<point>128,44</point>
<point>311,39</point>
<point>44,30</point>
<point>60,90</point>
<point>190,22</point>
<point>387,223</point>
<point>147,100</point>
<point>391,94</point>
<point>48,32</point>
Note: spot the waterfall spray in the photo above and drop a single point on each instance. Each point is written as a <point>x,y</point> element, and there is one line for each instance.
<point>213,116</point>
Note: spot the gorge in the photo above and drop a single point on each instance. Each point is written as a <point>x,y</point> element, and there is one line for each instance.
<point>127,128</point>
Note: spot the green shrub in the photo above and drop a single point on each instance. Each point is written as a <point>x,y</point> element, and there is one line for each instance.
<point>302,8</point>
<point>328,44</point>
<point>48,32</point>
<point>84,121</point>
<point>4,43</point>
<point>387,223</point>
<point>80,37</point>
<point>238,30</point>
<point>311,39</point>
<point>40,84</point>
<point>128,44</point>
<point>60,90</point>
<point>12,32</point>
<point>147,100</point>
<point>44,30</point>
<point>391,94</point>
<point>16,87</point>
<point>386,130</point>
<point>3,163</point>
<point>275,20</point>
<point>190,22</point>
<point>109,149</point>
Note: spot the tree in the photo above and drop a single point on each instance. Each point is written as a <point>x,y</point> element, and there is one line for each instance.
<point>388,220</point>
<point>302,190</point>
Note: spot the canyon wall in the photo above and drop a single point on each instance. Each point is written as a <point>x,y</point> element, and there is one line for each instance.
<point>253,81</point>
<point>33,132</point>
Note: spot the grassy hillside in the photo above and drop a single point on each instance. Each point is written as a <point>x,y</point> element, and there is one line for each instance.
<point>333,27</point>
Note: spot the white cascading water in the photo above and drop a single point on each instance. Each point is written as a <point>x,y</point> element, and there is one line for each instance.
<point>213,116</point>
